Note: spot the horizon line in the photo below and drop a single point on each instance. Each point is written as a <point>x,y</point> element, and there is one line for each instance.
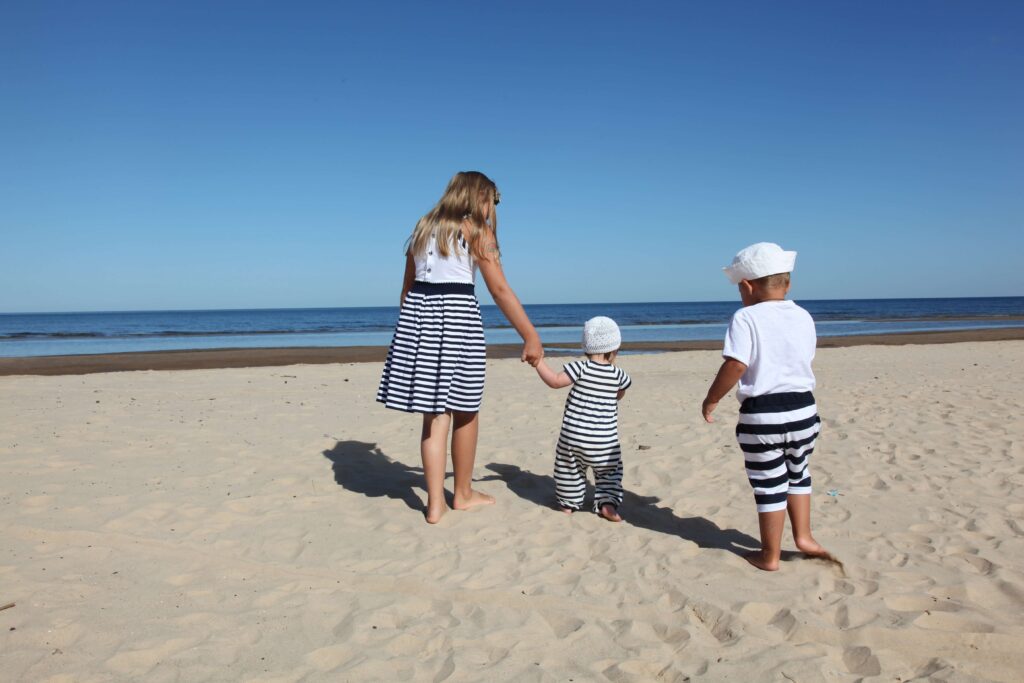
<point>578,303</point>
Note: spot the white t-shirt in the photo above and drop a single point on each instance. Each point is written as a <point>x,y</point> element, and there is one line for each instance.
<point>776,341</point>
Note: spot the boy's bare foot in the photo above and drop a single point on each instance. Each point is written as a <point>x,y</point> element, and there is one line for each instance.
<point>566,510</point>
<point>475,499</point>
<point>609,512</point>
<point>434,514</point>
<point>758,559</point>
<point>811,548</point>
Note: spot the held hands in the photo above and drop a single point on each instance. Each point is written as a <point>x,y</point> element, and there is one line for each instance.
<point>707,407</point>
<point>533,352</point>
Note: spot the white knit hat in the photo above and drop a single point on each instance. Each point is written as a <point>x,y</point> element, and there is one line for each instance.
<point>760,260</point>
<point>601,335</point>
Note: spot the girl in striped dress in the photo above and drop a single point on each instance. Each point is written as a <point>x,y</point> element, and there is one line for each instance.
<point>590,432</point>
<point>435,365</point>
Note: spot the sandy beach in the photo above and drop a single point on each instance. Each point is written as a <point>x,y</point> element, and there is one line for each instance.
<point>264,524</point>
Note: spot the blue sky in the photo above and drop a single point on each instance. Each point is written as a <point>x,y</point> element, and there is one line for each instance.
<point>187,155</point>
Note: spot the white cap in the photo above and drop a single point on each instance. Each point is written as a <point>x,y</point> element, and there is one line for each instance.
<point>760,260</point>
<point>601,335</point>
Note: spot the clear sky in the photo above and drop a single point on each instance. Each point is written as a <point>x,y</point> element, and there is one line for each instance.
<point>169,155</point>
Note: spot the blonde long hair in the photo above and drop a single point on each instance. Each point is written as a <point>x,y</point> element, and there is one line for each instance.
<point>464,199</point>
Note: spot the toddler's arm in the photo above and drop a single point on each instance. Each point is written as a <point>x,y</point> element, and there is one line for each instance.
<point>552,379</point>
<point>726,379</point>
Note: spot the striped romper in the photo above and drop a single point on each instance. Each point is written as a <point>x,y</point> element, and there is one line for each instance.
<point>437,356</point>
<point>778,421</point>
<point>590,435</point>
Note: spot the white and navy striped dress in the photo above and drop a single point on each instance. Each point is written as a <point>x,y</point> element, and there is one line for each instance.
<point>436,361</point>
<point>590,435</point>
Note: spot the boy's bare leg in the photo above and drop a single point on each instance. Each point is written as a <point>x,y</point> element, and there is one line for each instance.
<point>434,452</point>
<point>464,437</point>
<point>771,524</point>
<point>799,507</point>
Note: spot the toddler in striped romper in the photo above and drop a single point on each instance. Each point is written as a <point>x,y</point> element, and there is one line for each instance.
<point>769,347</point>
<point>590,432</point>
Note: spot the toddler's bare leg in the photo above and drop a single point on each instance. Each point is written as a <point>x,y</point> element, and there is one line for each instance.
<point>799,507</point>
<point>771,524</point>
<point>464,438</point>
<point>434,452</point>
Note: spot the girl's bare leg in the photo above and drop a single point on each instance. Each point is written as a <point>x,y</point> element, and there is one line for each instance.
<point>464,436</point>
<point>434,451</point>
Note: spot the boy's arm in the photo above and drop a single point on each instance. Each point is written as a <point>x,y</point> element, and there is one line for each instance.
<point>550,377</point>
<point>726,379</point>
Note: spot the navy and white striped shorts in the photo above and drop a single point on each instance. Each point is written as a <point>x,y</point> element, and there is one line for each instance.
<point>776,433</point>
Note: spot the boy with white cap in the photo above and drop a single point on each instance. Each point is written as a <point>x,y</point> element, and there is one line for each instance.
<point>769,347</point>
<point>590,432</point>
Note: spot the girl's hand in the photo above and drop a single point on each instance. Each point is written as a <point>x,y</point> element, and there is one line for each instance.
<point>532,352</point>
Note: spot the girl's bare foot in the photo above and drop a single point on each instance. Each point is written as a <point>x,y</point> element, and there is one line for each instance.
<point>609,512</point>
<point>475,499</point>
<point>758,560</point>
<point>435,513</point>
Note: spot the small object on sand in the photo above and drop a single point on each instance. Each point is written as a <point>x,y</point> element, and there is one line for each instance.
<point>641,447</point>
<point>7,606</point>
<point>834,492</point>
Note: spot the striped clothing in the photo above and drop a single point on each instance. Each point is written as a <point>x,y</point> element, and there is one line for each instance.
<point>776,433</point>
<point>436,361</point>
<point>590,435</point>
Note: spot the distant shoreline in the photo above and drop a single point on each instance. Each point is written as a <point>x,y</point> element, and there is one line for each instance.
<point>206,359</point>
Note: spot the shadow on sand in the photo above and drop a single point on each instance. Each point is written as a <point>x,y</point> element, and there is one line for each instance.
<point>363,468</point>
<point>640,511</point>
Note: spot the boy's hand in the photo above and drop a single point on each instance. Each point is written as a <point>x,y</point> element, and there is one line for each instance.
<point>707,407</point>
<point>730,373</point>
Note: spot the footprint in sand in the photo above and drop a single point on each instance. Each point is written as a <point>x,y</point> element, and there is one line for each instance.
<point>861,661</point>
<point>562,625</point>
<point>952,622</point>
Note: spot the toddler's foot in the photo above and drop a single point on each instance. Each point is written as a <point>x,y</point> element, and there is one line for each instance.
<point>811,548</point>
<point>761,562</point>
<point>475,499</point>
<point>609,512</point>
<point>434,513</point>
<point>566,510</point>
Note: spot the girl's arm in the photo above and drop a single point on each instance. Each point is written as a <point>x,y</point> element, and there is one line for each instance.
<point>550,377</point>
<point>726,379</point>
<point>409,278</point>
<point>507,301</point>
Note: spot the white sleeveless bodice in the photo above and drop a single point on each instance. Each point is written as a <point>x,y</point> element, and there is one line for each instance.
<point>432,267</point>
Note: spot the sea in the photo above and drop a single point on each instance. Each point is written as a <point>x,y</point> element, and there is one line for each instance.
<point>45,334</point>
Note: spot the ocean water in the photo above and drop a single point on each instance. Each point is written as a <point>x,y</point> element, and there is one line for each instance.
<point>41,334</point>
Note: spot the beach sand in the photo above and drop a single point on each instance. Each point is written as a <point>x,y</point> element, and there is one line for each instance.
<point>265,524</point>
